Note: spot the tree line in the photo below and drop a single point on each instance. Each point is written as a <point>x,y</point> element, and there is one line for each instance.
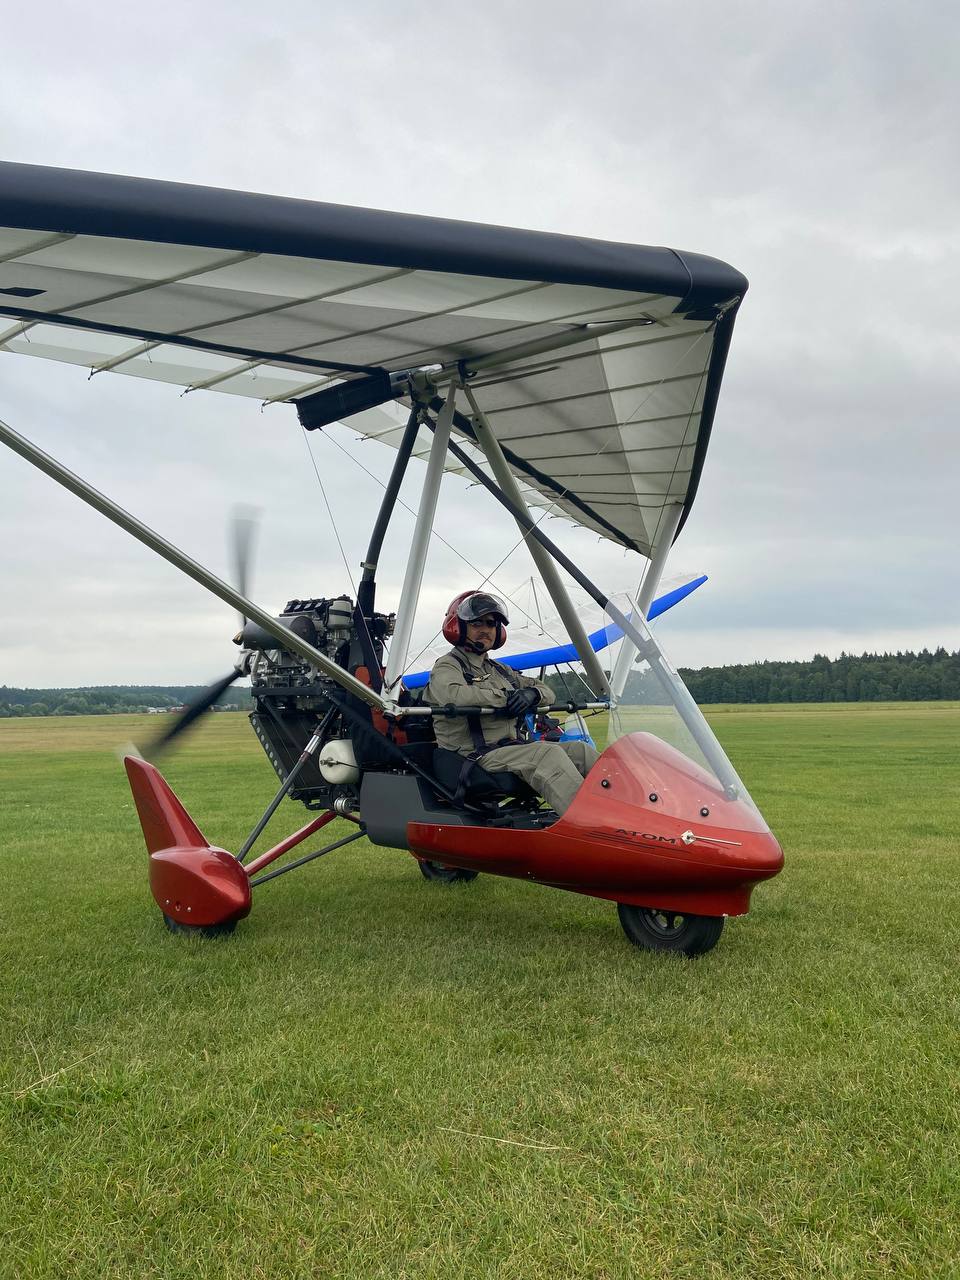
<point>105,700</point>
<point>926,676</point>
<point>868,677</point>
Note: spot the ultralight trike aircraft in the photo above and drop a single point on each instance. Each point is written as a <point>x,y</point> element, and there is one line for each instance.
<point>578,377</point>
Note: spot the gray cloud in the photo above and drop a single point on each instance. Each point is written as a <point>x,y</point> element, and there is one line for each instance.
<point>813,146</point>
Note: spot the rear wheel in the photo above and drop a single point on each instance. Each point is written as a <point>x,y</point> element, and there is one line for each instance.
<point>200,930</point>
<point>444,874</point>
<point>658,930</point>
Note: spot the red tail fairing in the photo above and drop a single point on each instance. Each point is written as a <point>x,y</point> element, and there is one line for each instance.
<point>192,882</point>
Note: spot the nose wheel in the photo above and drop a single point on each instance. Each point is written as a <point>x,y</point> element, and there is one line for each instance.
<point>443,874</point>
<point>657,930</point>
<point>200,930</point>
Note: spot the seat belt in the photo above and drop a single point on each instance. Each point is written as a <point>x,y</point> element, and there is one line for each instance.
<point>463,781</point>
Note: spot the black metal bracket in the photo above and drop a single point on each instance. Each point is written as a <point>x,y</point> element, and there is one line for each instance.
<point>307,857</point>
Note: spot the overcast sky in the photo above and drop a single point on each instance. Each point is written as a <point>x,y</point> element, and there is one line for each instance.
<point>813,146</point>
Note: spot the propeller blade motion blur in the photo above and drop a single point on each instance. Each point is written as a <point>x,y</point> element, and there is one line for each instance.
<point>244,525</point>
<point>190,714</point>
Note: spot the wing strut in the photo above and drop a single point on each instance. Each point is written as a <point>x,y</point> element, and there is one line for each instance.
<point>544,561</point>
<point>417,559</point>
<point>648,588</point>
<point>366,592</point>
<point>677,691</point>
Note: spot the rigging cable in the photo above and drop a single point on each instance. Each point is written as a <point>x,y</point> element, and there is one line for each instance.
<point>326,503</point>
<point>551,503</point>
<point>439,536</point>
<point>652,392</point>
<point>485,578</point>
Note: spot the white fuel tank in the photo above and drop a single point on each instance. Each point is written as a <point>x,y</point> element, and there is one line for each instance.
<point>337,762</point>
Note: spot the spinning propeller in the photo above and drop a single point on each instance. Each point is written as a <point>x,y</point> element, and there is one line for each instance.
<point>243,528</point>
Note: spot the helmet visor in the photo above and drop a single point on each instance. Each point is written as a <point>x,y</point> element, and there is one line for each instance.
<point>480,605</point>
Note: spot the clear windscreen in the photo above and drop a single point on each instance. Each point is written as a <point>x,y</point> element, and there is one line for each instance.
<point>648,696</point>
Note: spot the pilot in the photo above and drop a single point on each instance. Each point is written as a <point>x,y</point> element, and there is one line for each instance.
<point>475,623</point>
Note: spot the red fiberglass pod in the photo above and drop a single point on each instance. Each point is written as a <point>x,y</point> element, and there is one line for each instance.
<point>662,825</point>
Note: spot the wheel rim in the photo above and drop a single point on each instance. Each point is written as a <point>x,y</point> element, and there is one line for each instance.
<point>664,924</point>
<point>660,929</point>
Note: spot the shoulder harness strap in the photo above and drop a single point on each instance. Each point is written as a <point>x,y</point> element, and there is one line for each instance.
<point>473,721</point>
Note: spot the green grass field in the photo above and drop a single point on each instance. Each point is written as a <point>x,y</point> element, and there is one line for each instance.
<point>380,1077</point>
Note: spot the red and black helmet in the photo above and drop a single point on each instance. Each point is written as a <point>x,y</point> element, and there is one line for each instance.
<point>470,606</point>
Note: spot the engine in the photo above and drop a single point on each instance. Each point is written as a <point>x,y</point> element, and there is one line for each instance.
<point>292,698</point>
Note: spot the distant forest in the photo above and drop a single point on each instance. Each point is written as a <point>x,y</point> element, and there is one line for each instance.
<point>869,677</point>
<point>106,700</point>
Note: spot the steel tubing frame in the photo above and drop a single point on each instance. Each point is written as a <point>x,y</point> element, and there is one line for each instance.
<point>291,841</point>
<point>137,529</point>
<point>544,561</point>
<point>645,594</point>
<point>417,559</point>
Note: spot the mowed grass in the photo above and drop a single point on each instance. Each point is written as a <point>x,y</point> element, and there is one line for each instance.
<point>380,1077</point>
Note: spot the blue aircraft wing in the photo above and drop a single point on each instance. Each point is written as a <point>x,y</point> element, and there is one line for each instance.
<point>599,640</point>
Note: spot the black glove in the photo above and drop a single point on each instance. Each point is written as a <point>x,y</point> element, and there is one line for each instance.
<point>520,701</point>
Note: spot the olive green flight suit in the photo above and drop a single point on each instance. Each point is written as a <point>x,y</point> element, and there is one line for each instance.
<point>554,770</point>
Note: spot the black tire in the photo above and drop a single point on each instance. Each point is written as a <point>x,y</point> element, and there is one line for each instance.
<point>200,930</point>
<point>444,874</point>
<point>657,930</point>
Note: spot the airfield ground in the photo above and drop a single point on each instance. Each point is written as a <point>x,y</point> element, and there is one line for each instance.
<point>380,1077</point>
